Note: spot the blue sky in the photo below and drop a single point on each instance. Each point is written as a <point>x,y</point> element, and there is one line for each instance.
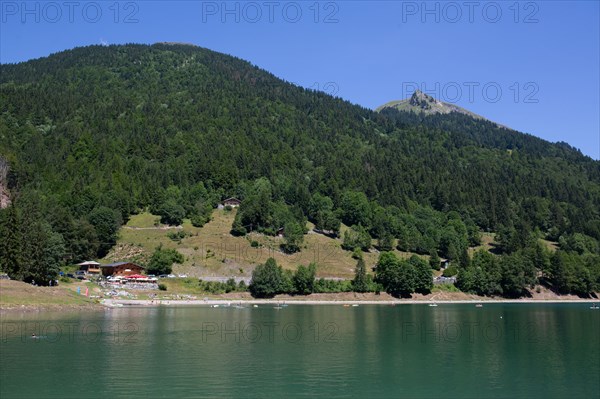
<point>530,65</point>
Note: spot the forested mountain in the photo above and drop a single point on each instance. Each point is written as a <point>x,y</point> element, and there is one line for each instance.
<point>95,134</point>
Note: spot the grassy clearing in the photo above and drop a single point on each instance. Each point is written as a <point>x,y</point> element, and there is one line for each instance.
<point>487,243</point>
<point>187,286</point>
<point>444,288</point>
<point>16,293</point>
<point>213,251</point>
<point>143,220</point>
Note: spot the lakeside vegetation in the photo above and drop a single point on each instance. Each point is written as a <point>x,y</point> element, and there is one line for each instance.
<point>95,135</point>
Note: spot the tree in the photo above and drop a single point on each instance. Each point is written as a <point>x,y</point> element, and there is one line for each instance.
<point>385,242</point>
<point>360,282</point>
<point>45,252</point>
<point>482,277</point>
<point>356,237</point>
<point>507,239</point>
<point>162,261</point>
<point>293,234</point>
<point>561,272</point>
<point>355,208</point>
<point>423,275</point>
<point>41,248</point>
<point>82,244</point>
<point>171,213</point>
<point>237,229</point>
<point>397,277</point>
<point>200,214</point>
<point>304,279</point>
<point>267,280</point>
<point>434,260</point>
<point>321,213</point>
<point>11,256</point>
<point>327,221</point>
<point>106,222</point>
<point>517,273</point>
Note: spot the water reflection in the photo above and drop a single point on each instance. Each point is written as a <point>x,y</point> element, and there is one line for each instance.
<point>403,351</point>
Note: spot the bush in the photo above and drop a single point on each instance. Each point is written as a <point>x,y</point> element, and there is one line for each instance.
<point>199,220</point>
<point>213,287</point>
<point>162,261</point>
<point>230,285</point>
<point>323,286</point>
<point>162,287</point>
<point>254,244</point>
<point>177,235</point>
<point>450,271</point>
<point>237,229</point>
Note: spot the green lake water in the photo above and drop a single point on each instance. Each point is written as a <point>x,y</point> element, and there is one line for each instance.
<point>329,351</point>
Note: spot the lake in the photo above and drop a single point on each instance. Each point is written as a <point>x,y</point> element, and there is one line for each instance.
<point>404,351</point>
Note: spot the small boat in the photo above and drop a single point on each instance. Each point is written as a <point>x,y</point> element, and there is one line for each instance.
<point>594,306</point>
<point>479,305</point>
<point>346,305</point>
<point>355,305</point>
<point>214,306</point>
<point>277,307</point>
<point>433,305</point>
<point>254,306</point>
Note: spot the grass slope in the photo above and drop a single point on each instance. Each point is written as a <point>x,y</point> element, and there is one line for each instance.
<point>213,251</point>
<point>17,295</point>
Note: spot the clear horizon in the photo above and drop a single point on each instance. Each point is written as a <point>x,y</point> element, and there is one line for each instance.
<point>531,66</point>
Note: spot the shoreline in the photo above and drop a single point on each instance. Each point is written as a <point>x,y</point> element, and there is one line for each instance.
<point>18,297</point>
<point>112,303</point>
<point>106,304</point>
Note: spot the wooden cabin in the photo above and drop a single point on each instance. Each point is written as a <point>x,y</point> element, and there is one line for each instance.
<point>89,267</point>
<point>232,202</point>
<point>121,269</point>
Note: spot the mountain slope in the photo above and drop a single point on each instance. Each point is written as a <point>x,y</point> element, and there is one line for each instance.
<point>135,126</point>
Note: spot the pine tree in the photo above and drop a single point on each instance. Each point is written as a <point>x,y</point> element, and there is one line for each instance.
<point>11,261</point>
<point>434,260</point>
<point>360,282</point>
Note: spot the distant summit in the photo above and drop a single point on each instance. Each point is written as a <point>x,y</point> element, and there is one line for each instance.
<point>420,102</point>
<point>176,44</point>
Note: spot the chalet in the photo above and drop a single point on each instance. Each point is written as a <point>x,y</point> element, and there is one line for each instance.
<point>90,267</point>
<point>121,269</point>
<point>232,202</point>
